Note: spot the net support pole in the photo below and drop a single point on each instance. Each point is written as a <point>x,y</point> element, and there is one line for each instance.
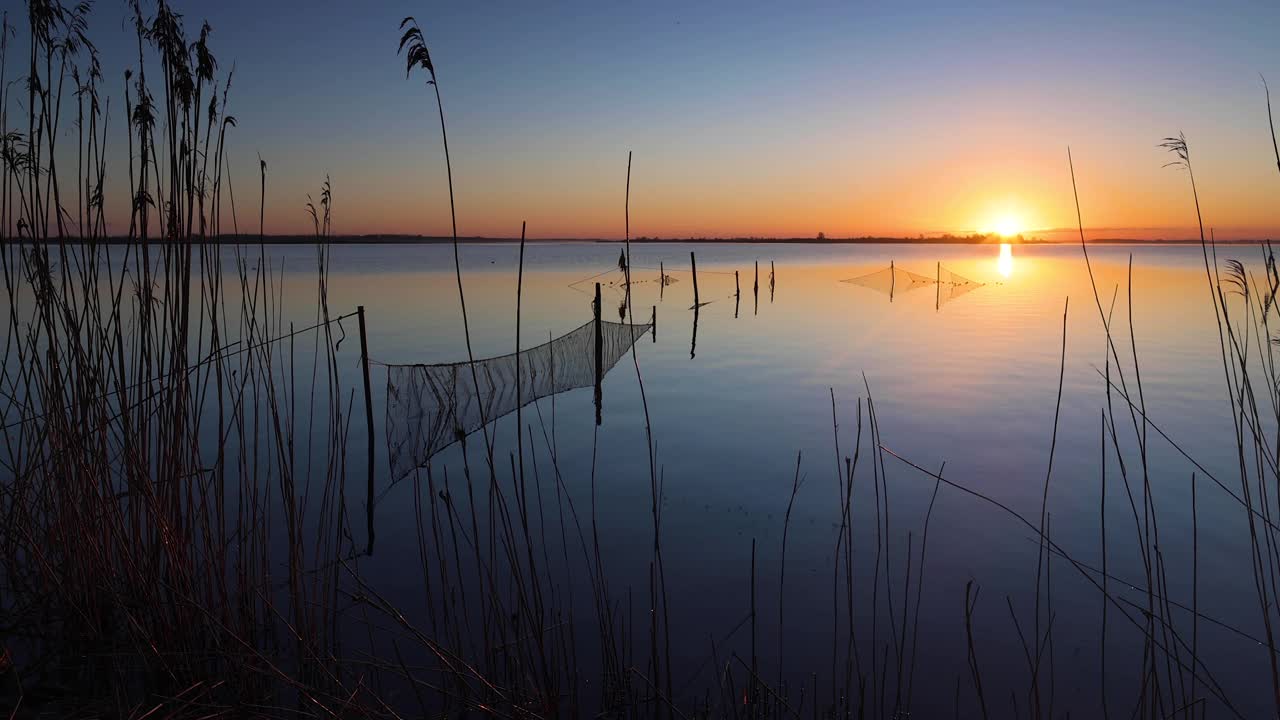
<point>693,263</point>
<point>755,291</point>
<point>893,280</point>
<point>599,353</point>
<point>737,289</point>
<point>653,323</point>
<point>368,420</point>
<point>662,280</point>
<point>937,284</point>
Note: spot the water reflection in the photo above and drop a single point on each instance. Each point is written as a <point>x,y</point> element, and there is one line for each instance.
<point>1004,264</point>
<point>693,342</point>
<point>730,424</point>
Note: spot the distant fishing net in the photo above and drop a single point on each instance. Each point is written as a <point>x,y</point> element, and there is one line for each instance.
<point>952,285</point>
<point>639,275</point>
<point>891,280</point>
<point>429,407</point>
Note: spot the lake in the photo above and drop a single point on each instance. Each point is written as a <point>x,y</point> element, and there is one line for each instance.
<point>965,375</point>
<point>902,420</point>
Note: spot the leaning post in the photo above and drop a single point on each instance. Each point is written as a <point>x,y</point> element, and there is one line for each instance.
<point>693,263</point>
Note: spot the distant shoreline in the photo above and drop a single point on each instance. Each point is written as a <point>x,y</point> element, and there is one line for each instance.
<point>478,240</point>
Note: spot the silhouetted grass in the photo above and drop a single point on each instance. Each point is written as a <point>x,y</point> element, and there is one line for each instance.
<point>176,538</point>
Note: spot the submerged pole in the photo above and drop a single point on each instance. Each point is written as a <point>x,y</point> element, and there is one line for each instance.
<point>693,262</point>
<point>599,353</point>
<point>368,419</point>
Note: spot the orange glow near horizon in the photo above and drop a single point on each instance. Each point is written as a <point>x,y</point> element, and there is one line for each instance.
<point>667,203</point>
<point>899,187</point>
<point>1007,226</point>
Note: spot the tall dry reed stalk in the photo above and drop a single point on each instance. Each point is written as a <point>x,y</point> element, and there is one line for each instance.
<point>176,535</point>
<point>152,478</point>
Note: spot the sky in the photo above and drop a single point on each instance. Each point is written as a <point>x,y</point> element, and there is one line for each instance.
<point>744,118</point>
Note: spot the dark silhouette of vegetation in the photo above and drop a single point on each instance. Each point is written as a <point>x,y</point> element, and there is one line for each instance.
<point>176,538</point>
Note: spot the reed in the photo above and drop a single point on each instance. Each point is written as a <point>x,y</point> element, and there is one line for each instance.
<point>177,539</point>
<point>151,481</point>
<point>417,56</point>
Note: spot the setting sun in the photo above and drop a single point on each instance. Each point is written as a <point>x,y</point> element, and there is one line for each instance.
<point>1008,226</point>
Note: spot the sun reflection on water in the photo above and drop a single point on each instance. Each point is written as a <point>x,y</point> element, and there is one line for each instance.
<point>1004,263</point>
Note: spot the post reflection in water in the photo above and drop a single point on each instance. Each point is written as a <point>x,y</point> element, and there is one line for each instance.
<point>693,342</point>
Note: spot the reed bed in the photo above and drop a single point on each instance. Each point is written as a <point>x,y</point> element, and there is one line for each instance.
<point>169,540</point>
<point>178,535</point>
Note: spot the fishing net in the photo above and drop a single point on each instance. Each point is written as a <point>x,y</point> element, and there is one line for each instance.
<point>429,407</point>
<point>891,280</point>
<point>952,285</point>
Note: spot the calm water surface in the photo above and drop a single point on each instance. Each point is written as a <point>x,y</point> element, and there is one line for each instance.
<point>970,381</point>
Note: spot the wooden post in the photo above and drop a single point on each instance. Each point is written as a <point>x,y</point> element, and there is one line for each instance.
<point>653,321</point>
<point>368,419</point>
<point>693,342</point>
<point>737,289</point>
<point>662,280</point>
<point>755,290</point>
<point>937,284</point>
<point>599,353</point>
<point>693,262</point>
<point>893,280</point>
<point>771,276</point>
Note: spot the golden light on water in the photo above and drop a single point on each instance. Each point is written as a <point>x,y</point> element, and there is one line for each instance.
<point>1004,263</point>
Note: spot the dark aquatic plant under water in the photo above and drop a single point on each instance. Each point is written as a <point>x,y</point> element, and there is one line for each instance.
<point>177,537</point>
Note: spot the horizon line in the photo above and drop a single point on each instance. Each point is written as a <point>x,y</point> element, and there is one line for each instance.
<point>405,238</point>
